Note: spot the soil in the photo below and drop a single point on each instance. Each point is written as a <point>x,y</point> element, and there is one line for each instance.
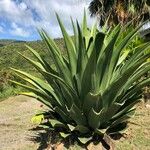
<point>15,123</point>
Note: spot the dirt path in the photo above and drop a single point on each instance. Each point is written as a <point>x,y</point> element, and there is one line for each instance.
<point>15,123</point>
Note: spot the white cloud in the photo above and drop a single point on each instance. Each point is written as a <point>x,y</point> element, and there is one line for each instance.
<point>1,29</point>
<point>18,31</point>
<point>14,12</point>
<point>41,13</point>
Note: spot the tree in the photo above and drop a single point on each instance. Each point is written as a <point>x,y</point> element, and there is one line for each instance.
<point>120,11</point>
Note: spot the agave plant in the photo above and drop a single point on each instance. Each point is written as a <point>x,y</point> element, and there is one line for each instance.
<point>92,90</point>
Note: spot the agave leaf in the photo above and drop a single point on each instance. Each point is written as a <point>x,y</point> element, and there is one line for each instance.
<point>120,47</point>
<point>58,59</point>
<point>81,58</point>
<point>85,30</point>
<point>82,129</point>
<point>106,65</point>
<point>45,65</point>
<point>94,118</point>
<point>138,74</point>
<point>84,140</point>
<point>37,92</point>
<point>137,87</point>
<point>94,29</point>
<point>123,118</point>
<point>49,76</point>
<point>77,115</point>
<point>100,131</point>
<point>40,84</point>
<point>115,88</point>
<point>87,75</point>
<point>55,122</point>
<point>70,48</point>
<point>75,35</point>
<point>99,43</point>
<point>92,101</point>
<point>139,51</point>
<point>64,135</point>
<point>63,114</point>
<point>41,99</point>
<point>126,109</point>
<point>110,112</point>
<point>71,127</point>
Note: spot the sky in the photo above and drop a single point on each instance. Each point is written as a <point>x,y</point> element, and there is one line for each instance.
<point>20,19</point>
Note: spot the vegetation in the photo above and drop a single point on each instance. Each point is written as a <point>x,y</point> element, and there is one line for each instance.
<point>9,57</point>
<point>93,91</point>
<point>120,11</point>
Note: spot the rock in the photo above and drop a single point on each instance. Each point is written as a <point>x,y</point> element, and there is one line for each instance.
<point>147,106</point>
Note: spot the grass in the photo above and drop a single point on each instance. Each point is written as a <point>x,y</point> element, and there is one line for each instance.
<point>138,133</point>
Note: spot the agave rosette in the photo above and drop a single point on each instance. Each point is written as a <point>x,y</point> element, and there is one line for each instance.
<point>95,88</point>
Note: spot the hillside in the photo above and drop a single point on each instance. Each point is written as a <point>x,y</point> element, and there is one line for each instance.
<point>9,57</point>
<point>9,49</point>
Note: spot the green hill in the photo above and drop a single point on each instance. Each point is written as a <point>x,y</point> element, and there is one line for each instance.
<point>9,49</point>
<point>9,57</point>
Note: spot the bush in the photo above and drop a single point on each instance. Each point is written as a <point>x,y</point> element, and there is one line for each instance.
<point>7,88</point>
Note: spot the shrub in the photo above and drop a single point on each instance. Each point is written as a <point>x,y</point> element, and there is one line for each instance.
<point>94,89</point>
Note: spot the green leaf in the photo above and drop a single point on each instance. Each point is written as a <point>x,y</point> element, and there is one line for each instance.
<point>77,115</point>
<point>70,48</point>
<point>84,140</point>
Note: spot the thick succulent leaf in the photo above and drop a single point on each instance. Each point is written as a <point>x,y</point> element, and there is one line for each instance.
<point>126,109</point>
<point>63,114</point>
<point>87,76</point>
<point>123,118</point>
<point>37,92</point>
<point>58,59</point>
<point>70,48</point>
<point>118,129</point>
<point>85,30</point>
<point>92,101</point>
<point>115,89</point>
<point>41,99</point>
<point>75,36</point>
<point>82,129</point>
<point>142,70</point>
<point>81,58</point>
<point>77,115</point>
<point>100,131</point>
<point>122,45</point>
<point>99,43</point>
<point>39,84</point>
<point>84,140</point>
<point>106,72</point>
<point>139,51</point>
<point>64,135</point>
<point>71,127</point>
<point>56,123</point>
<point>136,88</point>
<point>94,118</point>
<point>110,112</point>
<point>94,29</point>
<point>44,63</point>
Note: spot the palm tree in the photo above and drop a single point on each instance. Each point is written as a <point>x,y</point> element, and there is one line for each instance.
<point>120,11</point>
